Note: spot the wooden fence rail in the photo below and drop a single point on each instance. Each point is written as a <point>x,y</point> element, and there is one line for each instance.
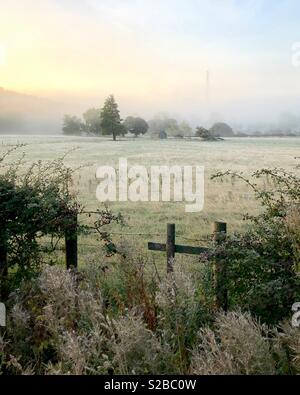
<point>171,248</point>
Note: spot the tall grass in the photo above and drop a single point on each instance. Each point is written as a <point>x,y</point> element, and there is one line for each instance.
<point>60,324</point>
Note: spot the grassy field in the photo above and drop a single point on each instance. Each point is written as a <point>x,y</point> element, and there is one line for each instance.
<point>223,201</point>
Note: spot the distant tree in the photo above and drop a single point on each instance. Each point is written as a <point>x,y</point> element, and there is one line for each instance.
<point>110,118</point>
<point>92,118</point>
<point>241,134</point>
<point>129,124</point>
<point>162,122</point>
<point>205,134</point>
<point>135,126</point>
<point>179,130</point>
<point>185,129</point>
<point>257,134</point>
<point>72,125</point>
<point>12,123</point>
<point>155,125</point>
<point>221,129</point>
<point>123,130</point>
<point>170,126</point>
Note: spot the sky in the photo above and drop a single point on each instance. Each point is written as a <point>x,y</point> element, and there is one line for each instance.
<point>153,55</point>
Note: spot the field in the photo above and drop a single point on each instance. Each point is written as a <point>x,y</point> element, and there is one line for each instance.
<point>226,201</point>
<point>226,312</point>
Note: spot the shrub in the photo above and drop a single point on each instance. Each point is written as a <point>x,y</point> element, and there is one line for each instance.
<point>33,203</point>
<point>263,263</point>
<point>61,326</point>
<point>136,349</point>
<point>59,323</point>
<point>237,345</point>
<point>205,134</point>
<point>181,312</point>
<point>286,348</point>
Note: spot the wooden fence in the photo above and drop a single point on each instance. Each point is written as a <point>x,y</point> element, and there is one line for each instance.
<point>170,248</point>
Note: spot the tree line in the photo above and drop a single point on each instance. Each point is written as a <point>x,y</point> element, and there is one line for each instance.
<point>106,121</point>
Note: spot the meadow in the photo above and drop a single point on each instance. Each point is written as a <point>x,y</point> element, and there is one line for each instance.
<point>122,313</point>
<point>226,201</point>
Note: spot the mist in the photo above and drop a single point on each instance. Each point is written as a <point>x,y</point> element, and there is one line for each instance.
<point>28,114</point>
<point>60,57</point>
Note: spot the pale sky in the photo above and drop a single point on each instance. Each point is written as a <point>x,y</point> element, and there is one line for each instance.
<point>151,53</point>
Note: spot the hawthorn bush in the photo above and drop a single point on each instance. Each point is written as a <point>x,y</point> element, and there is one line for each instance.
<point>34,203</point>
<point>263,263</point>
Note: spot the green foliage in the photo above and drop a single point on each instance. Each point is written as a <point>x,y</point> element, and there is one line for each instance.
<point>63,323</point>
<point>185,129</point>
<point>58,324</point>
<point>263,264</point>
<point>221,129</point>
<point>135,126</point>
<point>205,134</point>
<point>170,126</point>
<point>104,218</point>
<point>181,310</point>
<point>110,118</point>
<point>92,118</point>
<point>119,316</point>
<point>33,203</point>
<point>72,125</point>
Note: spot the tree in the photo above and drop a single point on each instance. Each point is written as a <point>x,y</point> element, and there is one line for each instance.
<point>135,125</point>
<point>72,125</point>
<point>129,124</point>
<point>169,125</point>
<point>205,134</point>
<point>185,129</point>
<point>11,123</point>
<point>110,118</point>
<point>92,119</point>
<point>162,122</point>
<point>221,129</point>
<point>176,129</point>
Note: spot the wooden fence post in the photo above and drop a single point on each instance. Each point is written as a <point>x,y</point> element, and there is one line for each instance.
<point>170,247</point>
<point>71,242</point>
<point>3,263</point>
<point>3,269</point>
<point>3,259</point>
<point>219,232</point>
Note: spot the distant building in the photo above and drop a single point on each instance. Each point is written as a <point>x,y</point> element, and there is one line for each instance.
<point>163,135</point>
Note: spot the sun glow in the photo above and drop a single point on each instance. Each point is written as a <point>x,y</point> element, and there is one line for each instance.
<point>2,55</point>
<point>154,54</point>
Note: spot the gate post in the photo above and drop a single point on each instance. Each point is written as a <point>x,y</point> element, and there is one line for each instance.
<point>170,247</point>
<point>71,242</point>
<point>219,235</point>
